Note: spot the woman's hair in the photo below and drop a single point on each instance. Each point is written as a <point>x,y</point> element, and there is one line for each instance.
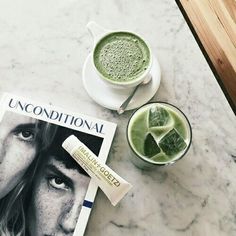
<point>14,206</point>
<point>12,213</point>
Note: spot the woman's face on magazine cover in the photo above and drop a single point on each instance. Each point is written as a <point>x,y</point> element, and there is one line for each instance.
<point>57,197</point>
<point>17,149</point>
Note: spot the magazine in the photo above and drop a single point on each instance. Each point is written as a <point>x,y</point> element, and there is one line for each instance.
<point>43,191</point>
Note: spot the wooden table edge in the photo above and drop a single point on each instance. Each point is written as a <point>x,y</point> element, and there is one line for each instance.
<point>213,69</point>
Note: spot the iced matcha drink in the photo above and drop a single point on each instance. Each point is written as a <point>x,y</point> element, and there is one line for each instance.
<point>158,133</point>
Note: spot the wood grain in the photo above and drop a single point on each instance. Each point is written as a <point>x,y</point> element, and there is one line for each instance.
<point>213,22</point>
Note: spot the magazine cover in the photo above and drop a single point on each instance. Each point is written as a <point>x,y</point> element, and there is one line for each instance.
<point>43,191</point>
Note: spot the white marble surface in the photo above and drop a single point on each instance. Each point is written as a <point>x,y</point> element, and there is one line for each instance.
<point>43,45</point>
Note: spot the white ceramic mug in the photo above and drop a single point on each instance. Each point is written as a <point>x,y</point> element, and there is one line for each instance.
<point>98,34</point>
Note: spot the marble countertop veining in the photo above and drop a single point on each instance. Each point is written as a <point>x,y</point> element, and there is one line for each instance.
<point>43,45</point>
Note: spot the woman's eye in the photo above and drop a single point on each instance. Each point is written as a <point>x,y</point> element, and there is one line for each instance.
<point>57,183</point>
<point>26,135</point>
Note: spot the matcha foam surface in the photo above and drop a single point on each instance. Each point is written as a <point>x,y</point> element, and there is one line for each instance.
<point>121,56</point>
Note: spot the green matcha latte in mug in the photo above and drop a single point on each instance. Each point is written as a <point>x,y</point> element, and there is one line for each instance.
<point>122,59</point>
<point>158,134</point>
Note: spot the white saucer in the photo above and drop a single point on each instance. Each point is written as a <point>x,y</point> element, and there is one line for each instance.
<point>112,98</point>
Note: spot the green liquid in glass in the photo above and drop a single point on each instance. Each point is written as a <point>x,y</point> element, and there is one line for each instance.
<point>159,133</point>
